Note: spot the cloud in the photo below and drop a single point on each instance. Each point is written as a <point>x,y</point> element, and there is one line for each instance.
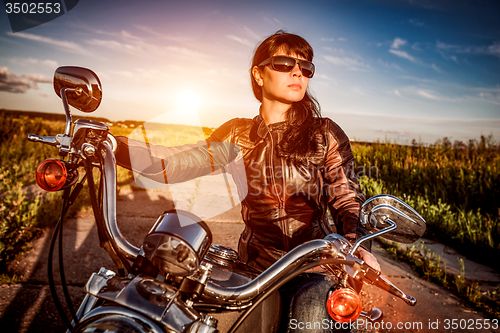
<point>403,54</point>
<point>143,47</point>
<point>38,78</point>
<point>341,39</point>
<point>386,131</point>
<point>36,62</point>
<point>432,96</point>
<point>464,94</point>
<point>114,45</point>
<point>416,79</point>
<point>389,65</point>
<point>12,83</point>
<point>416,47</point>
<point>350,63</point>
<point>179,39</point>
<point>397,43</point>
<point>243,41</point>
<point>65,45</point>
<point>251,33</point>
<point>416,22</point>
<point>437,69</point>
<point>493,49</point>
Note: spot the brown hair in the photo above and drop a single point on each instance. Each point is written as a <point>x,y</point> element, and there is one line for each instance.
<point>302,116</point>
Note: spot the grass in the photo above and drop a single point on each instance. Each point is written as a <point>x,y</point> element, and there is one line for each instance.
<point>471,233</point>
<point>24,215</point>
<point>432,268</point>
<point>464,175</point>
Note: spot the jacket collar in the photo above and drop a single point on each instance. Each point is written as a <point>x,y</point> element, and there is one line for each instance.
<point>262,128</point>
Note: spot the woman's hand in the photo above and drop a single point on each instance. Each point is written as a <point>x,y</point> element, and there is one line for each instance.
<point>369,258</point>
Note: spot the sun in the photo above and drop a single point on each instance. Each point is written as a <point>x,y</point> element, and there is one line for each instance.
<point>188,100</point>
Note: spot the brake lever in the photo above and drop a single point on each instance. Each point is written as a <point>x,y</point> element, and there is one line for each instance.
<point>367,274</point>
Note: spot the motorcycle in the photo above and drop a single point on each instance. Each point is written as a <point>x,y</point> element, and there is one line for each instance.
<point>178,281</point>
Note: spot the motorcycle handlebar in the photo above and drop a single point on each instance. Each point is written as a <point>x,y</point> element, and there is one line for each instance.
<point>50,140</point>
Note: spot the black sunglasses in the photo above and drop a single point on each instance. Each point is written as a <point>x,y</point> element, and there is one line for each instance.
<point>286,64</point>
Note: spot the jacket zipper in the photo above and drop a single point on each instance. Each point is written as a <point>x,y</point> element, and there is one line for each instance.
<point>283,223</point>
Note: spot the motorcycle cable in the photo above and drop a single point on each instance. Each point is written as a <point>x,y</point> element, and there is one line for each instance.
<point>67,201</point>
<point>70,199</point>
<point>52,286</point>
<point>304,267</point>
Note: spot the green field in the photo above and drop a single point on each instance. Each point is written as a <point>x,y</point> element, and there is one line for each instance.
<point>454,186</point>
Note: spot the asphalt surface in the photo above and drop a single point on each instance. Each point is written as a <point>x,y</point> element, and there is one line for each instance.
<point>28,306</point>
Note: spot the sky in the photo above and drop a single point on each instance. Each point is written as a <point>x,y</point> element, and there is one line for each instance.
<point>385,70</point>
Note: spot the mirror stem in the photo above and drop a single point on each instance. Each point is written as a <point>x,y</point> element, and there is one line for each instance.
<point>376,234</point>
<point>69,119</point>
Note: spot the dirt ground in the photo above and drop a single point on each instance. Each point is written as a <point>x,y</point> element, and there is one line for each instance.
<point>28,306</point>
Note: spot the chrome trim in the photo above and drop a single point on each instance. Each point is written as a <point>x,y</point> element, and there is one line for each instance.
<point>50,140</point>
<point>294,260</point>
<point>392,289</point>
<point>122,246</point>
<point>372,315</point>
<point>99,312</point>
<point>113,142</point>
<point>391,227</point>
<point>69,119</point>
<point>223,252</point>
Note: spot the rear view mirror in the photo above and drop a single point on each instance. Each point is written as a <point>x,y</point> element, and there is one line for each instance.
<point>83,88</point>
<point>382,211</point>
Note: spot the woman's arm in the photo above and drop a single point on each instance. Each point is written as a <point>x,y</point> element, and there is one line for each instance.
<point>180,163</point>
<point>345,196</point>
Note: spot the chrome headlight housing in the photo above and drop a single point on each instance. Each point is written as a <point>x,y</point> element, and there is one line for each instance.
<point>177,243</point>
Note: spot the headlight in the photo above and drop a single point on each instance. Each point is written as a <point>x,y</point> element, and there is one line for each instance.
<point>177,243</point>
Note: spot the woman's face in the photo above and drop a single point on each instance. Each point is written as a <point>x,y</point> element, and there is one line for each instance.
<point>279,86</point>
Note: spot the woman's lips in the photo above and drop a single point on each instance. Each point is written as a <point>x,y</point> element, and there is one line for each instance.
<point>295,86</point>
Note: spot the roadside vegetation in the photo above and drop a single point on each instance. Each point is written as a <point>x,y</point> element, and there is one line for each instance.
<point>24,208</point>
<point>454,187</point>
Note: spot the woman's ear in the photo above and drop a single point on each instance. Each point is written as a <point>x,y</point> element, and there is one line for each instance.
<point>257,75</point>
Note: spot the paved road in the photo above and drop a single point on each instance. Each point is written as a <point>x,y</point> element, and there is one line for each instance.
<point>28,307</point>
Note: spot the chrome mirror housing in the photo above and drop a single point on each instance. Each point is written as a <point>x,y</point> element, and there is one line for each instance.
<point>82,86</point>
<point>384,211</point>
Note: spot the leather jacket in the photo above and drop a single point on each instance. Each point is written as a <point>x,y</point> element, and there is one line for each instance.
<point>286,204</point>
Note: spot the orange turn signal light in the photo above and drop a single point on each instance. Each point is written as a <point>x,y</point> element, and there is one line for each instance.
<point>344,305</point>
<point>51,175</point>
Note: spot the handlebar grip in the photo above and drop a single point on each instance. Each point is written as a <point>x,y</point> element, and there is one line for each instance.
<point>50,140</point>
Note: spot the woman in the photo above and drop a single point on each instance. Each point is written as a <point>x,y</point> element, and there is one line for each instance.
<point>297,166</point>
